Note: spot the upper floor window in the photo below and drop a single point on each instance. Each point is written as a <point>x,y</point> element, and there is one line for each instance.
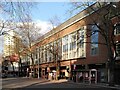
<point>59,48</point>
<point>37,53</point>
<point>65,48</point>
<point>65,40</point>
<point>50,51</point>
<point>42,56</point>
<point>117,28</point>
<point>73,39</point>
<point>94,40</point>
<point>81,38</point>
<point>65,43</point>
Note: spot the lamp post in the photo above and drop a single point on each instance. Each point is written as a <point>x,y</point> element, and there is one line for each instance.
<point>38,68</point>
<point>38,57</point>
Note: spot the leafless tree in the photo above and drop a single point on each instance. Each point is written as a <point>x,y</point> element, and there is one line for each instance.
<point>55,21</point>
<point>12,13</point>
<point>55,49</point>
<point>105,28</point>
<point>30,34</point>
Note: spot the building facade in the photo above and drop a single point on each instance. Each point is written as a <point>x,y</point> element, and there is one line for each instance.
<point>12,42</point>
<point>72,51</point>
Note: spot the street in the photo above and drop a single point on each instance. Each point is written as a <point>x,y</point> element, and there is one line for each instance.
<point>27,83</point>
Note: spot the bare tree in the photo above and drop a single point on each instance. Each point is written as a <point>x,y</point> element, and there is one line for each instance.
<point>12,13</point>
<point>55,21</point>
<point>55,49</point>
<point>29,33</point>
<point>105,11</point>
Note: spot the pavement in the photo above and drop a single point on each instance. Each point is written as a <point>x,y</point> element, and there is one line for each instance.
<point>33,81</point>
<point>28,82</point>
<point>93,84</point>
<point>97,84</point>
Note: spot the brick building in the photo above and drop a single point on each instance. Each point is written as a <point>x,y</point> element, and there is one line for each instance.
<point>69,52</point>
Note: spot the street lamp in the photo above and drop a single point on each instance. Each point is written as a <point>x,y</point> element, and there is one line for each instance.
<point>38,58</point>
<point>38,68</point>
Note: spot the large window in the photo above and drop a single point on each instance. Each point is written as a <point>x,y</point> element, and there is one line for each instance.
<point>55,50</point>
<point>94,40</point>
<point>65,43</point>
<point>73,40</point>
<point>65,47</point>
<point>50,50</point>
<point>81,42</point>
<point>72,45</point>
<point>36,55</point>
<point>45,52</point>
<point>41,55</point>
<point>117,29</point>
<point>81,38</point>
<point>59,49</point>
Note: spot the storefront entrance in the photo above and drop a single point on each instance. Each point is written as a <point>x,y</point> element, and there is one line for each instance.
<point>86,76</point>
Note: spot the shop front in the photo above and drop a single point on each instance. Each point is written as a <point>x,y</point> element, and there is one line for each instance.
<point>117,72</point>
<point>91,73</point>
<point>85,76</point>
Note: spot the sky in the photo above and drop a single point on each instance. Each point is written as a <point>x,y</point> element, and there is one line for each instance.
<point>42,12</point>
<point>45,10</point>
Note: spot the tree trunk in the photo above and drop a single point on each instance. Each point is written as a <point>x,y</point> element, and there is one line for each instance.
<point>33,67</point>
<point>20,68</point>
<point>13,69</point>
<point>111,64</point>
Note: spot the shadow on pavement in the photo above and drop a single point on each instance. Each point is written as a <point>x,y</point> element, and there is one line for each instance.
<point>61,85</point>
